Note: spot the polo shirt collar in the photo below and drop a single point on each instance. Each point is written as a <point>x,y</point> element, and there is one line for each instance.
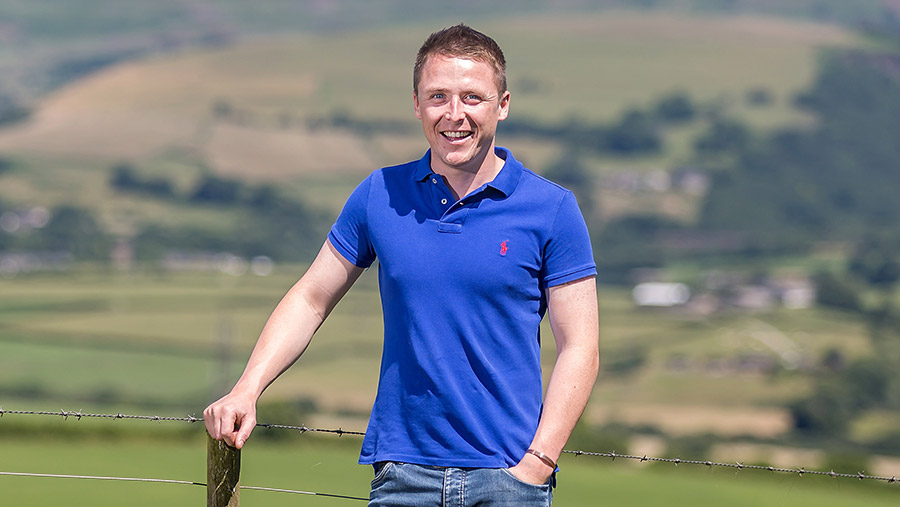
<point>423,168</point>
<point>505,181</point>
<point>508,177</point>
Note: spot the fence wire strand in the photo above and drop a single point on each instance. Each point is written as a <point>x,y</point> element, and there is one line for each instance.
<point>171,481</point>
<point>78,415</point>
<point>101,478</point>
<point>736,465</point>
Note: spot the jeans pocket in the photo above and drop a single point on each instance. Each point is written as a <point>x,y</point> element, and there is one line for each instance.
<point>381,470</point>
<point>520,481</point>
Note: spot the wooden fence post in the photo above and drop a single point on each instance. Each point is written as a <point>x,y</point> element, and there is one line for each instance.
<point>223,472</point>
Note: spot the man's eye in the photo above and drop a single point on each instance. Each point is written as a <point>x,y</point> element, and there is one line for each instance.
<point>473,98</point>
<point>438,96</point>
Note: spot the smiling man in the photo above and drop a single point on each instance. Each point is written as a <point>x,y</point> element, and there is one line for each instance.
<point>473,250</point>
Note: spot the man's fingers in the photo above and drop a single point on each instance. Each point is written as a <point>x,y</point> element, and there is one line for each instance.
<point>213,418</point>
<point>229,421</point>
<point>247,425</point>
<point>210,423</point>
<point>219,422</point>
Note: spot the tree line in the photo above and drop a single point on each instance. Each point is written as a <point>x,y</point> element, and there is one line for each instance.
<point>785,191</point>
<point>272,223</point>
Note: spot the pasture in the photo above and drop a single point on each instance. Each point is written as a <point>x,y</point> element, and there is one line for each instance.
<point>181,338</point>
<point>174,341</point>
<point>165,343</point>
<point>328,465</point>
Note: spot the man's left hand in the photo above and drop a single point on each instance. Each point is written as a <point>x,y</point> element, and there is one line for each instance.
<point>532,470</point>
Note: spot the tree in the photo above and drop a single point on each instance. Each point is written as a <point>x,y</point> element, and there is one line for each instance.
<point>570,172</point>
<point>675,107</point>
<point>876,260</point>
<point>124,177</point>
<point>74,230</point>
<point>212,189</point>
<point>6,164</point>
<point>836,400</point>
<point>836,292</point>
<point>634,133</point>
<point>630,242</point>
<point>723,135</point>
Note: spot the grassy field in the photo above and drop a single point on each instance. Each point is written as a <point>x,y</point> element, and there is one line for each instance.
<point>145,323</point>
<point>328,465</point>
<point>175,341</point>
<point>149,343</point>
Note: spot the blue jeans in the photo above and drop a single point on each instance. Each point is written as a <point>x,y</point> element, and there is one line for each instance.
<point>404,484</point>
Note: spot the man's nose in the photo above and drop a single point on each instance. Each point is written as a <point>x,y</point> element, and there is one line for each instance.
<point>455,110</point>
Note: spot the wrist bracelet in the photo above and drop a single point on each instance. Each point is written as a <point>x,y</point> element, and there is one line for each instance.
<point>543,457</point>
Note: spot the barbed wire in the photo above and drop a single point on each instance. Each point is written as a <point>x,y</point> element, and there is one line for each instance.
<point>78,415</point>
<point>801,471</point>
<point>737,465</point>
<point>171,481</point>
<point>303,429</point>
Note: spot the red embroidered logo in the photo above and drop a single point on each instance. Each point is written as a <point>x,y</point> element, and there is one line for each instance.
<point>503,248</point>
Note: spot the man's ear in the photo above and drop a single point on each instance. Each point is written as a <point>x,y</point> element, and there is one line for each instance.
<point>416,105</point>
<point>504,106</point>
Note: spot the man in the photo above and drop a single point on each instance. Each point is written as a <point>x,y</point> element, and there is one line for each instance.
<point>473,249</point>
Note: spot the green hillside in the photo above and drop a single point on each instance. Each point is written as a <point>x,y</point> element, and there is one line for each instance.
<point>244,111</point>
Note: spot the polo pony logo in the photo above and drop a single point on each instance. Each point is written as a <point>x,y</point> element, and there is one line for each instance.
<point>503,248</point>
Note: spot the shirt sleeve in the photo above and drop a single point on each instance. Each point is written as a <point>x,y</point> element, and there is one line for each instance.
<point>350,233</point>
<point>568,255</point>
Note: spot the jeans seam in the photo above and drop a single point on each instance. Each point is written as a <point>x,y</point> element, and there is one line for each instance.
<point>462,489</point>
<point>444,487</point>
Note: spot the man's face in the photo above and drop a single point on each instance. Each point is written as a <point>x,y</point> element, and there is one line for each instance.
<point>459,104</point>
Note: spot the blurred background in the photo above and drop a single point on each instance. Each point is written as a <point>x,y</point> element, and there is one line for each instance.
<point>169,168</point>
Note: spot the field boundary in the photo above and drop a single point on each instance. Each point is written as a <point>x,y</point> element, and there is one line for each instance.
<point>302,429</point>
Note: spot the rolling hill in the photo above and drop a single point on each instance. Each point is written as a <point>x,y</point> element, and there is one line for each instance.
<point>245,110</point>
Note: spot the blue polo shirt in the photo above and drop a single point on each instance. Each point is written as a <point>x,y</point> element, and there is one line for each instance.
<point>463,294</point>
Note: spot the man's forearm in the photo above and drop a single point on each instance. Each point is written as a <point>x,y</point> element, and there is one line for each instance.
<point>567,395</point>
<point>574,319</point>
<point>284,338</point>
<point>294,321</point>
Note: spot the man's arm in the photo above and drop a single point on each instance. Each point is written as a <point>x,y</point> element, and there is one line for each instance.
<point>283,340</point>
<point>573,311</point>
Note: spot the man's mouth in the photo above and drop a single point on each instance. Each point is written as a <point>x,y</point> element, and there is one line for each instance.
<point>455,135</point>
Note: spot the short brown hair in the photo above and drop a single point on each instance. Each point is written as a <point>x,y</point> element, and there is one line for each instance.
<point>462,41</point>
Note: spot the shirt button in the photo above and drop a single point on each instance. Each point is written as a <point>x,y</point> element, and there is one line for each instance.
<point>443,201</point>
<point>434,180</point>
